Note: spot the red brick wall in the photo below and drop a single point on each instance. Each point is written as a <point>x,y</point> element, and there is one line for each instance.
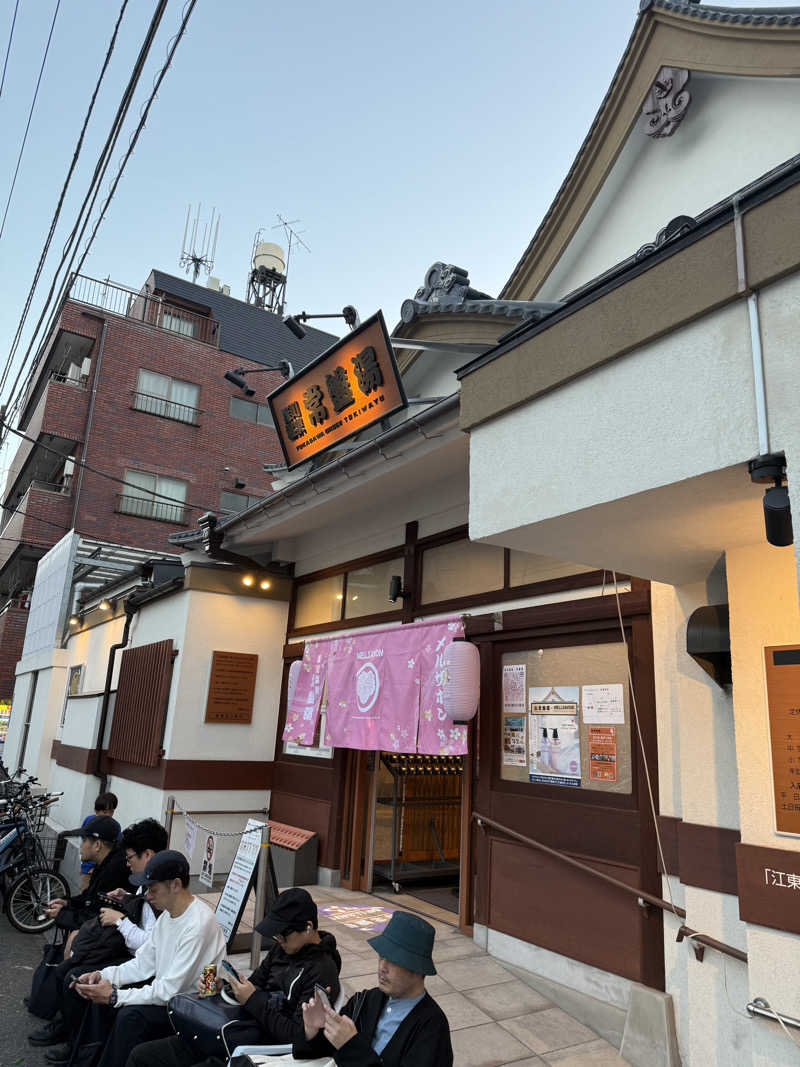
<point>121,437</point>
<point>12,636</point>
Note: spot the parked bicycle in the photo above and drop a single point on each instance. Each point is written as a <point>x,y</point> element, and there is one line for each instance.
<point>28,880</point>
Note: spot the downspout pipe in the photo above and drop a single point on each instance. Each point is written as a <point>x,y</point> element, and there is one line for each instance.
<point>131,607</point>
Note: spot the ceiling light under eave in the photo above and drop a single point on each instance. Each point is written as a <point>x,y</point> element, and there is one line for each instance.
<point>248,580</point>
<point>264,584</point>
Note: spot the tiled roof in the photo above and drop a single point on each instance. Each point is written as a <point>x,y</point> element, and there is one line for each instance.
<point>246,330</point>
<point>512,309</point>
<point>747,16</point>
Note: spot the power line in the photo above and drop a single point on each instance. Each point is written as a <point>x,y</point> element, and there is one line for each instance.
<point>104,474</point>
<point>57,213</point>
<point>92,192</point>
<point>30,115</point>
<point>10,39</point>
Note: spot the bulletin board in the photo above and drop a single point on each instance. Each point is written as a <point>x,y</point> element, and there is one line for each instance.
<point>574,728</point>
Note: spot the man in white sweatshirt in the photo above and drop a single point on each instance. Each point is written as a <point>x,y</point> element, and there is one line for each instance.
<point>185,938</point>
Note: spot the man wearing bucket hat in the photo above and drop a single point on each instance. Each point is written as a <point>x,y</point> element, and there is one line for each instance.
<point>397,1024</point>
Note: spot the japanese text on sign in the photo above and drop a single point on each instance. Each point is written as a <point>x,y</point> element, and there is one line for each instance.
<point>349,387</point>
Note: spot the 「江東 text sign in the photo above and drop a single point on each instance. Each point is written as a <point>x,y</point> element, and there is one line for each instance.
<point>348,388</point>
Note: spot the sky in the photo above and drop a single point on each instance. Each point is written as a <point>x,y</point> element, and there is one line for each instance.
<point>398,134</point>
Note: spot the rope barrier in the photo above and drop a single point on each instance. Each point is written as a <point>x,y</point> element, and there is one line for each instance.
<point>178,810</point>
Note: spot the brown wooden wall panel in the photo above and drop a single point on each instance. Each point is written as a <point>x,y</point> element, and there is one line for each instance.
<point>538,899</point>
<point>140,709</point>
<point>308,814</point>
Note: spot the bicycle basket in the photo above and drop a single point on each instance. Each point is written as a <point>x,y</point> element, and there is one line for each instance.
<point>53,848</point>
<point>36,817</point>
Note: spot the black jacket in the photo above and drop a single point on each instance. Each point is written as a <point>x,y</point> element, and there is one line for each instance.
<point>111,873</point>
<point>284,983</point>
<point>421,1040</point>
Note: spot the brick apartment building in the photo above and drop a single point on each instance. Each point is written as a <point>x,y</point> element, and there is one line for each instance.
<point>131,382</point>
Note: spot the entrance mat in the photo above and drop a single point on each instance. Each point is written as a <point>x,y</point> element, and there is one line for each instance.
<point>370,919</point>
<point>441,895</point>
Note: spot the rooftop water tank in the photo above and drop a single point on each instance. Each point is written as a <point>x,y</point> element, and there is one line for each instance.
<point>270,256</point>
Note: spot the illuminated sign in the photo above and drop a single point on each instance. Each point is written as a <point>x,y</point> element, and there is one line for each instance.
<point>348,388</point>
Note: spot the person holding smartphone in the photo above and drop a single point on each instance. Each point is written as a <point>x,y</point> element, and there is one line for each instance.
<point>301,957</point>
<point>397,1024</point>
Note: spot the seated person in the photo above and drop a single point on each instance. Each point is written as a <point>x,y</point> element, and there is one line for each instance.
<point>106,804</point>
<point>99,844</point>
<point>397,1024</point>
<point>300,957</point>
<point>122,933</point>
<point>185,938</point>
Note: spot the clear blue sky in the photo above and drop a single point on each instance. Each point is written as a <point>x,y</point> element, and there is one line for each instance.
<point>398,133</point>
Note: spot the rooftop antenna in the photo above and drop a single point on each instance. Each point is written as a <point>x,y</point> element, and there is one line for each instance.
<point>293,237</point>
<point>199,253</point>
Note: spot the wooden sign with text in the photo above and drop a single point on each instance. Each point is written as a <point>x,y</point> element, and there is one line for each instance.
<point>231,687</point>
<point>783,702</point>
<point>352,385</point>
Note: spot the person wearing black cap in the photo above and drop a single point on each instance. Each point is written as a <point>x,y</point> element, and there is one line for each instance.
<point>396,1024</point>
<point>300,957</point>
<point>99,845</point>
<point>185,938</point>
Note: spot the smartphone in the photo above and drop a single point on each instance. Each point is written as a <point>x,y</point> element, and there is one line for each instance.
<point>231,970</point>
<point>108,902</point>
<point>322,996</point>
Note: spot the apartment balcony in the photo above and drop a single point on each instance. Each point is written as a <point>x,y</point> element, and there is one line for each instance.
<point>153,311</point>
<point>58,420</point>
<point>42,517</point>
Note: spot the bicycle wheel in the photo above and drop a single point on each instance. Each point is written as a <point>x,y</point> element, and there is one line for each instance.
<point>28,896</point>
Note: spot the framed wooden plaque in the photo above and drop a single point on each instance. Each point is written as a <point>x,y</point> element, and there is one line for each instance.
<point>231,687</point>
<point>782,664</point>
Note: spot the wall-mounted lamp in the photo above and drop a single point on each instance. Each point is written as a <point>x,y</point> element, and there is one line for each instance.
<point>74,620</point>
<point>777,507</point>
<point>104,605</point>
<point>396,591</point>
<point>236,377</point>
<point>248,580</point>
<point>265,584</point>
<point>294,322</point>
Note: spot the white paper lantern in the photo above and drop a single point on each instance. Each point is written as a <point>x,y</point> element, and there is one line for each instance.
<point>294,677</point>
<point>462,691</point>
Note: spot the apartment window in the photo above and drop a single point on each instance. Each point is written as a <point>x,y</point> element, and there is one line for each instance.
<point>236,502</point>
<point>251,412</point>
<point>172,399</point>
<point>177,322</point>
<point>137,498</point>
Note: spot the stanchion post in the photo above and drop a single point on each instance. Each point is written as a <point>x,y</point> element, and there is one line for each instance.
<point>168,817</point>
<point>261,895</point>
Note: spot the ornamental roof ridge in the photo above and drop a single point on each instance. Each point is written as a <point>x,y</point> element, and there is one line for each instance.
<point>746,16</point>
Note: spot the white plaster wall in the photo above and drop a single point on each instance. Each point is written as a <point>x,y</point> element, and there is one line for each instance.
<point>45,712</point>
<point>438,506</point>
<point>232,624</point>
<point>674,409</point>
<point>698,782</point>
<point>736,130</point>
<point>90,647</point>
<point>764,611</point>
<point>778,309</point>
<point>16,725</point>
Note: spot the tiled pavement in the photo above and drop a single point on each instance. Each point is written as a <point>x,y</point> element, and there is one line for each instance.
<point>495,1018</point>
